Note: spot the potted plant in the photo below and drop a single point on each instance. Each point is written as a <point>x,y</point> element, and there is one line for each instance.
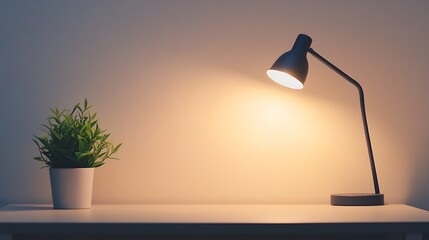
<point>72,145</point>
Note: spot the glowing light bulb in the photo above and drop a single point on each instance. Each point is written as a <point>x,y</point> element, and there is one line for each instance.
<point>284,79</point>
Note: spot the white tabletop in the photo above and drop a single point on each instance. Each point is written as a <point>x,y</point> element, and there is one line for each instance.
<point>32,213</point>
<point>393,217</point>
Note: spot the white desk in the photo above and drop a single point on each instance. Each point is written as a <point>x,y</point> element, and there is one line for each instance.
<point>213,219</point>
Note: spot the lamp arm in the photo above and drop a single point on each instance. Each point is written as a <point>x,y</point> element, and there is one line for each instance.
<point>363,112</point>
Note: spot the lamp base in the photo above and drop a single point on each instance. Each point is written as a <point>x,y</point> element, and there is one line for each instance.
<point>357,199</point>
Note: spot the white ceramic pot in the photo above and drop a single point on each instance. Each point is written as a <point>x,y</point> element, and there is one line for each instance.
<point>71,187</point>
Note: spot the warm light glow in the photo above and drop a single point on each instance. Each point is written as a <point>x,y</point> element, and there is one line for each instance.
<point>284,79</point>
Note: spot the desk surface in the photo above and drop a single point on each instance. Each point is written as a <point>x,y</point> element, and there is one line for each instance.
<point>18,218</point>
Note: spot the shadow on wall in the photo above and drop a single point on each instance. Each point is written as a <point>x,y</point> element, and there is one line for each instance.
<point>419,190</point>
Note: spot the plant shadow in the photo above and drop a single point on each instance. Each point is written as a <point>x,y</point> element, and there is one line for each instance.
<point>25,208</point>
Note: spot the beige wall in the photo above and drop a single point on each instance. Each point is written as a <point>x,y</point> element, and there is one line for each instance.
<point>182,84</point>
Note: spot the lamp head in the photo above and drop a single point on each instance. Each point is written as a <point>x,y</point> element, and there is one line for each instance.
<point>291,68</point>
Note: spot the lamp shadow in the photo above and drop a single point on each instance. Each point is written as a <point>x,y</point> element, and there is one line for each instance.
<point>418,195</point>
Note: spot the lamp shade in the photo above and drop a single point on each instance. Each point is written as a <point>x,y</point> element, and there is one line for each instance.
<point>291,68</point>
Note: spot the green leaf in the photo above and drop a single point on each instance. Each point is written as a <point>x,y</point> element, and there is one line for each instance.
<point>36,142</point>
<point>98,164</point>
<point>116,148</point>
<point>85,105</point>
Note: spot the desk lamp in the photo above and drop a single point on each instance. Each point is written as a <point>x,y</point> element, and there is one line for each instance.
<point>290,70</point>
